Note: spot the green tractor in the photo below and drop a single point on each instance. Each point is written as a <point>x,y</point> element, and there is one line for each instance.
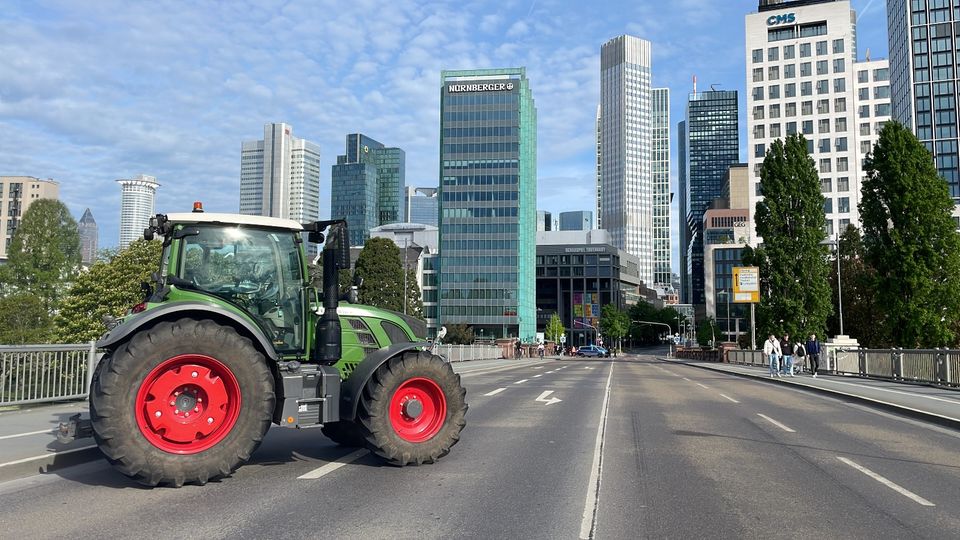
<point>232,337</point>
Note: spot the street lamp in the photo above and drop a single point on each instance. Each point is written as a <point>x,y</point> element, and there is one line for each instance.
<point>595,331</point>
<point>669,329</point>
<point>839,291</point>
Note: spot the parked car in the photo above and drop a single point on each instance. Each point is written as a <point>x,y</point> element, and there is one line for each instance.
<point>593,350</point>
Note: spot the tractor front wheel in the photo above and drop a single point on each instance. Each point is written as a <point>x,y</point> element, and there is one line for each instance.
<point>181,402</point>
<point>413,409</point>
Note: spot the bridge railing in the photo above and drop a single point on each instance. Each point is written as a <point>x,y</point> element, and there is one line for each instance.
<point>41,373</point>
<point>929,366</point>
<point>464,353</point>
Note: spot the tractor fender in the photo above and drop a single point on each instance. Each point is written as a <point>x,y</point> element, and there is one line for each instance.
<point>173,310</point>
<point>353,386</point>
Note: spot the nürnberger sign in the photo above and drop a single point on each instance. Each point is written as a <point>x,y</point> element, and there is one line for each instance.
<point>480,87</point>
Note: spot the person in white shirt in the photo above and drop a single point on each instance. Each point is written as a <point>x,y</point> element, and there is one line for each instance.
<point>771,348</point>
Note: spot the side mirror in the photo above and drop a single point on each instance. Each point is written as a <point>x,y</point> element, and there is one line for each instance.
<point>442,332</point>
<point>315,237</point>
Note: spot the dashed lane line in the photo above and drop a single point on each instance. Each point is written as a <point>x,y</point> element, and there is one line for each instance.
<point>47,455</point>
<point>334,465</point>
<point>729,398</point>
<point>703,386</point>
<point>588,521</point>
<point>495,392</point>
<point>774,422</point>
<point>540,375</point>
<point>890,484</point>
<point>27,434</point>
<point>521,381</point>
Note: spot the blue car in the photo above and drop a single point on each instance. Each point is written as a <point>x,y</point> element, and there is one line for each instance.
<point>593,350</point>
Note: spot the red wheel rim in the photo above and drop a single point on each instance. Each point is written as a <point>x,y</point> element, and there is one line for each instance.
<point>187,404</point>
<point>417,410</point>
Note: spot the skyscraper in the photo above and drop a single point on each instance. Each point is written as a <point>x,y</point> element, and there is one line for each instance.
<point>803,77</point>
<point>488,207</point>
<point>626,183</point>
<point>280,176</point>
<point>924,77</point>
<point>367,186</point>
<point>682,188</point>
<point>576,221</point>
<point>16,195</point>
<point>712,145</point>
<point>660,168</point>
<point>87,227</point>
<point>421,206</point>
<point>137,200</point>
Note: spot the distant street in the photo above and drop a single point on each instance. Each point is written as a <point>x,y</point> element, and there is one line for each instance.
<point>685,453</point>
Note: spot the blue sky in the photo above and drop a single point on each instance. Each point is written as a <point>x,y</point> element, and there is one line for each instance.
<point>95,91</point>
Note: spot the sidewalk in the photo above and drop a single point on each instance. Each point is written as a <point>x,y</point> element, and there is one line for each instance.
<point>938,405</point>
<point>28,442</point>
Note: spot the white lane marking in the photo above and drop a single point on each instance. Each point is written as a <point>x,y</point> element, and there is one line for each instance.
<point>549,372</point>
<point>540,375</point>
<point>334,465</point>
<point>774,422</point>
<point>47,455</point>
<point>588,368</point>
<point>495,392</point>
<point>483,371</point>
<point>831,381</point>
<point>729,398</point>
<point>899,489</point>
<point>537,367</point>
<point>686,379</point>
<point>521,381</point>
<point>703,386</point>
<point>543,397</point>
<point>27,434</point>
<point>588,522</point>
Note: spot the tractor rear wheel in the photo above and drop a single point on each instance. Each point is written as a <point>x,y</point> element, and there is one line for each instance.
<point>345,433</point>
<point>181,402</point>
<point>413,409</point>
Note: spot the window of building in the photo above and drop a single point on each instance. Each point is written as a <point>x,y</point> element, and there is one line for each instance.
<point>883,74</point>
<point>881,92</point>
<point>759,150</point>
<point>823,67</point>
<point>758,112</point>
<point>827,205</point>
<point>843,205</point>
<point>773,54</point>
<point>791,109</point>
<point>841,144</point>
<point>823,125</point>
<point>824,146</point>
<point>757,93</point>
<point>757,74</point>
<point>865,147</point>
<point>823,106</point>
<point>863,94</point>
<point>826,185</point>
<point>773,73</point>
<point>789,52</point>
<point>775,111</point>
<point>789,71</point>
<point>883,109</point>
<point>842,164</point>
<point>825,165</point>
<point>805,69</point>
<point>806,108</point>
<point>864,111</point>
<point>791,128</point>
<point>774,131</point>
<point>807,127</point>
<point>839,85</point>
<point>804,50</point>
<point>806,88</point>
<point>790,90</point>
<point>837,46</point>
<point>863,76</point>
<point>839,65</point>
<point>829,227</point>
<point>821,48</point>
<point>840,105</point>
<point>759,132</point>
<point>774,91</point>
<point>757,56</point>
<point>865,129</point>
<point>841,124</point>
<point>843,184</point>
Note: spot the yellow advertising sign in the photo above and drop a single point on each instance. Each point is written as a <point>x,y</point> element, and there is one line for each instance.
<point>746,284</point>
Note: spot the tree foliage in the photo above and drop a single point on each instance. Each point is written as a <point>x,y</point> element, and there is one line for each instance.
<point>614,324</point>
<point>412,298</point>
<point>911,241</point>
<point>24,320</point>
<point>795,293</point>
<point>107,288</point>
<point>554,329</point>
<point>863,315</point>
<point>707,332</point>
<point>382,273</point>
<point>459,334</point>
<point>650,334</point>
<point>44,254</point>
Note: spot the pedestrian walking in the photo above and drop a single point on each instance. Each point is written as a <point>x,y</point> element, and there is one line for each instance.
<point>787,347</point>
<point>771,348</point>
<point>813,352</point>
<point>799,355</point>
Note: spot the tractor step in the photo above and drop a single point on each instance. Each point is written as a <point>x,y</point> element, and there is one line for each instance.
<point>73,429</point>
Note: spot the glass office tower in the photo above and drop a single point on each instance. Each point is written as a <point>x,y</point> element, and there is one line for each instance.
<point>712,146</point>
<point>488,210</point>
<point>367,186</point>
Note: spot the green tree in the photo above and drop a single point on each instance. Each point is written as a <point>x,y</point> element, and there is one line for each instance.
<point>459,334</point>
<point>44,254</point>
<point>379,267</point>
<point>793,260</point>
<point>863,315</point>
<point>555,329</point>
<point>911,241</point>
<point>107,288</point>
<point>707,332</point>
<point>650,334</point>
<point>614,324</point>
<point>413,298</point>
<point>24,320</point>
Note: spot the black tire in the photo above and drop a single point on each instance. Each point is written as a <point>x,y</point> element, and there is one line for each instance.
<point>345,433</point>
<point>115,407</point>
<point>373,412</point>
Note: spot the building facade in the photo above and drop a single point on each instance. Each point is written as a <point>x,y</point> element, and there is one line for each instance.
<point>925,72</point>
<point>16,195</point>
<point>712,145</point>
<point>422,206</point>
<point>367,186</point>
<point>89,238</point>
<point>544,221</point>
<point>488,189</point>
<point>660,168</point>
<point>803,77</point>
<point>576,221</point>
<point>626,148</point>
<point>137,206</point>
<point>280,176</point>
<point>419,248</point>
<point>684,231</point>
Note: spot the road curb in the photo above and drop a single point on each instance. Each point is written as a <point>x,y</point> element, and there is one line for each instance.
<point>48,463</point>
<point>945,421</point>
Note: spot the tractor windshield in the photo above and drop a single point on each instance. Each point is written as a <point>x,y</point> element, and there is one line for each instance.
<point>257,270</point>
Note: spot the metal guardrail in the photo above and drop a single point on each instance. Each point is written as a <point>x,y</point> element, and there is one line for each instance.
<point>928,366</point>
<point>40,373</point>
<point>464,353</point>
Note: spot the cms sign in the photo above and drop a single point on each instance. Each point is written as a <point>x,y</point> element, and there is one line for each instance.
<point>787,18</point>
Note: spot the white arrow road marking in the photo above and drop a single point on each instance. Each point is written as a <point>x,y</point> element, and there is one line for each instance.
<point>334,465</point>
<point>899,489</point>
<point>495,392</point>
<point>551,401</point>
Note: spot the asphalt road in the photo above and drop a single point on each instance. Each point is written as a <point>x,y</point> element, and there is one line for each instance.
<point>683,453</point>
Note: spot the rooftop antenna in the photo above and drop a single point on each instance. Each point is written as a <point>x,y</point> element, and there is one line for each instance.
<point>868,54</point>
<point>694,84</point>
